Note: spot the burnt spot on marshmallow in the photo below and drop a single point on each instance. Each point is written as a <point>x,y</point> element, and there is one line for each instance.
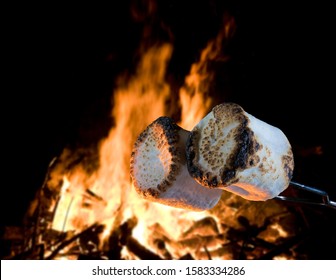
<point>150,193</point>
<point>223,144</point>
<point>227,175</point>
<point>288,165</point>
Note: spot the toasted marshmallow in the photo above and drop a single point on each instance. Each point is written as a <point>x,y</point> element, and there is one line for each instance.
<point>159,172</point>
<point>232,150</point>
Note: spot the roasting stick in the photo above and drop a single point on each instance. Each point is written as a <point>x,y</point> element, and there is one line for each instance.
<point>324,196</point>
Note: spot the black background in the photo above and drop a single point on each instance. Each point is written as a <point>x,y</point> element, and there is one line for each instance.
<point>59,65</point>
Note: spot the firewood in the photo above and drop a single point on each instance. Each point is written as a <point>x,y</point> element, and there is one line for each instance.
<point>140,251</point>
<point>72,239</point>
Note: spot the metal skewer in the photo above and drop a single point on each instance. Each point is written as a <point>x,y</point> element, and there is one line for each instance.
<point>325,201</point>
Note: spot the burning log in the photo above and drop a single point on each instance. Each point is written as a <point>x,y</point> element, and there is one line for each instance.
<point>118,239</point>
<point>201,241</point>
<point>94,229</point>
<point>162,250</point>
<point>202,234</point>
<point>159,241</point>
<point>139,250</point>
<point>206,226</point>
<point>283,248</point>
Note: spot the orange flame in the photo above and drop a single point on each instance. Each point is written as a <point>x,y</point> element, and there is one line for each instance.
<point>194,95</point>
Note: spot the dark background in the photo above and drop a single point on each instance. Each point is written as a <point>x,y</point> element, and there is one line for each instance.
<point>59,65</point>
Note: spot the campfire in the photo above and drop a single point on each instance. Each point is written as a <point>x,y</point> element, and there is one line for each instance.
<point>88,208</point>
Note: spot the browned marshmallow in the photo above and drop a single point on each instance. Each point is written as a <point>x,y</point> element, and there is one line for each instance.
<point>159,172</point>
<point>234,151</point>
